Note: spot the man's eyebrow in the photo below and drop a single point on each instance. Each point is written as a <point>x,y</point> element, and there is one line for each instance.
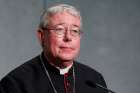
<point>59,24</point>
<point>63,24</point>
<point>76,25</point>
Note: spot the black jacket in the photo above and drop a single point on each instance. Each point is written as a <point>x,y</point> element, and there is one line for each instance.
<point>31,78</point>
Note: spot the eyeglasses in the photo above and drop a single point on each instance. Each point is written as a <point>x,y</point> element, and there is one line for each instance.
<point>60,31</point>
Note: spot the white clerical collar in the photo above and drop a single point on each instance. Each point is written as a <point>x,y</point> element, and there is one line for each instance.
<point>64,70</point>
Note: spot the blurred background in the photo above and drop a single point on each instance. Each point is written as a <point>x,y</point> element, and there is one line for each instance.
<point>110,44</point>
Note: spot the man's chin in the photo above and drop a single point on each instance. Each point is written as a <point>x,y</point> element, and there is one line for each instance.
<point>66,58</point>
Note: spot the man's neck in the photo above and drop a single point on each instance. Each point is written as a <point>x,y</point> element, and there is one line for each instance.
<point>62,70</point>
<point>59,63</point>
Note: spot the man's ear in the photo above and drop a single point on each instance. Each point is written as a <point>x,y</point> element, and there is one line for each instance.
<point>40,35</point>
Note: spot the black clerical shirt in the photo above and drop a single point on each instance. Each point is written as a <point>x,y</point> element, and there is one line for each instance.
<point>63,83</point>
<point>31,78</point>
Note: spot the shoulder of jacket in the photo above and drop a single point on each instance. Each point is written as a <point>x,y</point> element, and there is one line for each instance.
<point>85,68</point>
<point>24,69</point>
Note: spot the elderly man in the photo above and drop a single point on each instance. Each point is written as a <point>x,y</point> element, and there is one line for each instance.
<point>54,70</point>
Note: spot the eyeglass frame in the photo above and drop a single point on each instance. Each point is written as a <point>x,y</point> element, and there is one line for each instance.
<point>63,31</point>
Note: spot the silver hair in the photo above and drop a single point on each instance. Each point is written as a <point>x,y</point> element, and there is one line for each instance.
<point>57,9</point>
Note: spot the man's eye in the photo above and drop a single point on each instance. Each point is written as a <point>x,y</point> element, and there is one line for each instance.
<point>75,31</point>
<point>59,29</point>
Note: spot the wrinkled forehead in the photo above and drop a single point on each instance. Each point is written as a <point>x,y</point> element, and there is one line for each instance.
<point>64,18</point>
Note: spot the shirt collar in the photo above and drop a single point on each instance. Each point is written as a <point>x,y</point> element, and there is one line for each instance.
<point>64,70</point>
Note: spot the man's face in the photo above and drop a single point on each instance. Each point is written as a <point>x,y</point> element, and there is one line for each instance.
<point>62,46</point>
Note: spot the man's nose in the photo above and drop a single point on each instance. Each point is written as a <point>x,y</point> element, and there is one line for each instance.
<point>67,35</point>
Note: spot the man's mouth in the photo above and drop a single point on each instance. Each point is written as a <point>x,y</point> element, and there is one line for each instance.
<point>67,49</point>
